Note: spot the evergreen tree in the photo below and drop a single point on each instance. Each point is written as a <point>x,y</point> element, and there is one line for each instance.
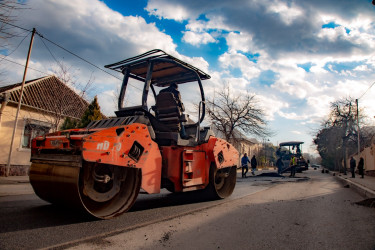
<point>69,124</point>
<point>92,113</point>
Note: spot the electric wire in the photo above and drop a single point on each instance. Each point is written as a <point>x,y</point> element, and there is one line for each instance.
<point>54,58</point>
<point>68,51</point>
<point>16,47</point>
<point>367,90</point>
<point>16,26</point>
<point>6,59</point>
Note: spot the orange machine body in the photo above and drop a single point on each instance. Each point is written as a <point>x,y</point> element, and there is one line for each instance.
<point>188,168</point>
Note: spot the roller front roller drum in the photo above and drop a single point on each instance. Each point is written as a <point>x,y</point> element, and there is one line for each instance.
<point>103,191</point>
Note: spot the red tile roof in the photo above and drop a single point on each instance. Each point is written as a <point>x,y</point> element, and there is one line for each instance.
<point>48,94</point>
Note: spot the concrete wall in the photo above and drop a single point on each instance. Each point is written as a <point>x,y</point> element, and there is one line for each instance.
<point>368,155</point>
<point>20,160</point>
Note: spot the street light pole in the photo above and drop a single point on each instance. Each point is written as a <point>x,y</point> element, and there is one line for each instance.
<point>265,161</point>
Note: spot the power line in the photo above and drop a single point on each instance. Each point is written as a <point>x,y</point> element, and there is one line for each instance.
<point>68,51</point>
<point>61,47</point>
<point>77,56</point>
<point>16,26</point>
<point>50,52</point>
<point>16,47</point>
<point>367,90</point>
<point>4,58</point>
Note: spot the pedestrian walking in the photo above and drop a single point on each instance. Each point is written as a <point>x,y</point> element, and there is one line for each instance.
<point>361,165</point>
<point>352,166</point>
<point>244,161</point>
<point>254,164</point>
<point>293,165</point>
<point>279,165</point>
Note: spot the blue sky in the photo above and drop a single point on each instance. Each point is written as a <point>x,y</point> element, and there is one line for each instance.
<point>296,56</point>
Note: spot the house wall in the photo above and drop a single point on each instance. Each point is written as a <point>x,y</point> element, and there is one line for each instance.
<point>368,155</point>
<point>20,159</point>
<point>249,148</point>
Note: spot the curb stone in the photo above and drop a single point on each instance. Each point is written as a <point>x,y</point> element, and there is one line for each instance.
<point>362,190</point>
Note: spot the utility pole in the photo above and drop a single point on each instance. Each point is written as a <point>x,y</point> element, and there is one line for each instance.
<point>20,100</point>
<point>358,143</point>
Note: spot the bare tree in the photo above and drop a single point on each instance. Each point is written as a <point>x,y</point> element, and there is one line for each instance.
<point>338,136</point>
<point>61,101</point>
<point>232,115</point>
<point>8,15</point>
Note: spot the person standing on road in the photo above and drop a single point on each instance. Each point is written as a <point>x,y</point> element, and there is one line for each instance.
<point>279,165</point>
<point>361,165</point>
<point>254,164</point>
<point>352,166</point>
<point>293,164</point>
<point>244,161</point>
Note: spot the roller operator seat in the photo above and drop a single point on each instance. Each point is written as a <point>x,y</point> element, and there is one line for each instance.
<point>168,112</point>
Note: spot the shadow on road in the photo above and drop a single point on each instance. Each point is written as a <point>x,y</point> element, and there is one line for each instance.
<point>34,213</point>
<point>145,201</point>
<point>16,216</point>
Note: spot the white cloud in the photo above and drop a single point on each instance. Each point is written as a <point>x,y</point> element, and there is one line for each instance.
<point>292,115</point>
<point>107,102</point>
<point>361,68</point>
<point>296,132</point>
<point>167,10</point>
<point>197,39</point>
<point>239,42</point>
<point>271,105</point>
<point>287,13</point>
<point>236,60</point>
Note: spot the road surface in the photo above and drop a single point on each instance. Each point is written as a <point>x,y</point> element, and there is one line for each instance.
<point>262,213</point>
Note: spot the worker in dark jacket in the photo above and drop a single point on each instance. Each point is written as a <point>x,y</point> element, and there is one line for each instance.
<point>279,165</point>
<point>361,165</point>
<point>352,166</point>
<point>254,164</point>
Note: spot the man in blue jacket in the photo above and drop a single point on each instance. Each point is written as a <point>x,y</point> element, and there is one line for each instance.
<point>244,161</point>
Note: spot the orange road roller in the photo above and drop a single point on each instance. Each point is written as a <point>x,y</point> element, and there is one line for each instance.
<point>101,169</point>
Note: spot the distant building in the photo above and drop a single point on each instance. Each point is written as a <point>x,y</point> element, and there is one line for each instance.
<point>250,146</point>
<point>46,102</point>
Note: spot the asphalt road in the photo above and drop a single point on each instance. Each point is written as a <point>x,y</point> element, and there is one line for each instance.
<point>317,214</point>
<point>28,222</point>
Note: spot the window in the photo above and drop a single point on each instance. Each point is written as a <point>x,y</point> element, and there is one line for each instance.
<point>31,130</point>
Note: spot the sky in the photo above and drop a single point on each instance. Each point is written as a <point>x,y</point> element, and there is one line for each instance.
<point>295,56</point>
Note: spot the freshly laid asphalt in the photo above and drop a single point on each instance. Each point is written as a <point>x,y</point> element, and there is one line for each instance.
<point>19,185</point>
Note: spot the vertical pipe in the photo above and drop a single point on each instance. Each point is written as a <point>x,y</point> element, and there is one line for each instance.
<point>147,84</point>
<point>19,103</point>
